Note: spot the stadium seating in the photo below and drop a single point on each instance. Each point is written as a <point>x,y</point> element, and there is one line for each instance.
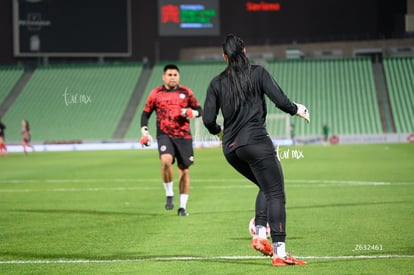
<point>73,102</point>
<point>86,102</point>
<point>9,75</point>
<point>399,73</point>
<point>340,92</point>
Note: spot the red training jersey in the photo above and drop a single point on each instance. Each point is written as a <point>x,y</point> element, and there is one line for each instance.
<point>168,104</point>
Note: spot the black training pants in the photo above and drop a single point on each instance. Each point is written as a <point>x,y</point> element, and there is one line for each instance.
<point>259,163</point>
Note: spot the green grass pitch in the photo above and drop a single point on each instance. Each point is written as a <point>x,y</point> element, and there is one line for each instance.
<point>350,210</point>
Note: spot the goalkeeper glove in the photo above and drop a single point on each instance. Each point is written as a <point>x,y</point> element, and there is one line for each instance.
<point>189,113</point>
<point>302,112</point>
<point>146,138</point>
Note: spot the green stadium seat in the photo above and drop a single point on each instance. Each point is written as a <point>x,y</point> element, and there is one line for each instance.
<point>399,72</point>
<point>9,75</point>
<point>73,102</point>
<point>340,92</point>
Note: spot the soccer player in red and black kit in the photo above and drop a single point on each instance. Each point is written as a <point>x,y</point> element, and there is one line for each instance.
<point>174,105</point>
<point>26,136</point>
<point>2,139</point>
<point>239,91</point>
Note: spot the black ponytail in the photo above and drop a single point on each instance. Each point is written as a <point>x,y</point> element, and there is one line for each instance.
<point>238,71</point>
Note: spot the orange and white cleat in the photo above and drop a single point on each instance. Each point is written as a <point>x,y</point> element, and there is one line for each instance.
<point>288,260</point>
<point>262,245</point>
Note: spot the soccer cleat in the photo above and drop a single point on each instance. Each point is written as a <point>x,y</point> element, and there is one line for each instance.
<point>182,212</point>
<point>288,260</point>
<point>262,245</point>
<point>169,203</point>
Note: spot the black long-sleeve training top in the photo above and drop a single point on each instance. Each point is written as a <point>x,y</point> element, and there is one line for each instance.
<point>246,124</point>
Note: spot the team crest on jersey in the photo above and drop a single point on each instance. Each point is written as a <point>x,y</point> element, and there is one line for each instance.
<point>163,148</point>
<point>182,96</point>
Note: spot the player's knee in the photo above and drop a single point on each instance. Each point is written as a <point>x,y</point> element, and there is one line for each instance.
<point>166,160</point>
<point>184,172</point>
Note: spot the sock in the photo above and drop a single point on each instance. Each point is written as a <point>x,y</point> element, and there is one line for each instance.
<point>261,231</point>
<point>183,200</point>
<point>279,248</point>
<point>168,187</point>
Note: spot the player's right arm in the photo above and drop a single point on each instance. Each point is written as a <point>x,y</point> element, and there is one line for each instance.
<point>146,138</point>
<point>211,109</point>
<point>145,118</point>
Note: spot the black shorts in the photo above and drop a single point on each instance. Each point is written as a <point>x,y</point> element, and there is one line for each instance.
<point>180,149</point>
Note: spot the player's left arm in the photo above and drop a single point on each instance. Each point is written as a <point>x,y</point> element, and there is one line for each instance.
<point>277,96</point>
<point>192,112</point>
<point>194,108</point>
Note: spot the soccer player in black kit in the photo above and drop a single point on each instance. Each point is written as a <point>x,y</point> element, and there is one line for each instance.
<point>239,91</point>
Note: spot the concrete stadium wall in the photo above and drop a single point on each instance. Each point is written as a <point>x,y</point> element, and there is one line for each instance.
<point>391,47</point>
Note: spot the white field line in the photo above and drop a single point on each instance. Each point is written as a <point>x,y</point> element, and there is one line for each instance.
<point>239,180</point>
<point>86,261</point>
<point>243,184</point>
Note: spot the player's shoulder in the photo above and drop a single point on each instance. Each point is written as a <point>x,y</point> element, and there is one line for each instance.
<point>156,90</point>
<point>257,68</point>
<point>258,71</point>
<point>186,89</point>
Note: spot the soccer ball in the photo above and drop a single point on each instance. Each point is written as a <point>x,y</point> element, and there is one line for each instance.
<point>252,228</point>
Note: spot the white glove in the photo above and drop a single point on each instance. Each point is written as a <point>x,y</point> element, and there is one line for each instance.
<point>302,112</point>
<point>146,138</point>
<point>189,113</point>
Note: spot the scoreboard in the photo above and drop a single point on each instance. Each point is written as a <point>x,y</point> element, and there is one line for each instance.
<point>188,18</point>
<point>61,28</point>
